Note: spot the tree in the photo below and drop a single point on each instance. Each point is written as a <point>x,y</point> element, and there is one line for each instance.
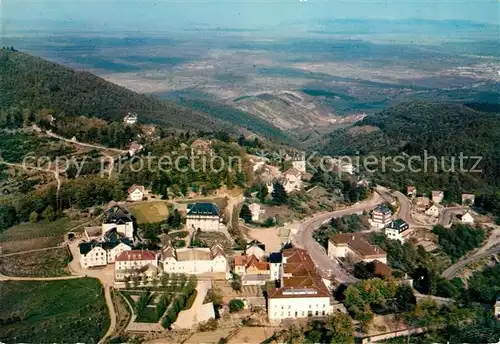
<point>245,213</point>
<point>279,194</point>
<point>340,328</point>
<point>7,216</point>
<point>262,193</point>
<point>236,282</point>
<point>236,305</point>
<point>49,214</point>
<point>34,217</point>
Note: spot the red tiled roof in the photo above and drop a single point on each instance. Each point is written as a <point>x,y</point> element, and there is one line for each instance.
<point>358,244</point>
<point>299,287</point>
<point>136,255</point>
<point>298,262</point>
<point>250,261</point>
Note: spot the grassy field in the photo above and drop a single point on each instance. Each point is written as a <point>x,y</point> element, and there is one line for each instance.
<point>67,311</point>
<point>150,212</point>
<point>48,263</point>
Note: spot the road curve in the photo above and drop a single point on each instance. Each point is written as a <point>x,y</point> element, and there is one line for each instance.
<point>455,268</point>
<point>304,238</point>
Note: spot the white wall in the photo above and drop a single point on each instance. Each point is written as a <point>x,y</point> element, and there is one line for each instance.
<point>193,267</point>
<point>205,223</point>
<point>136,195</point>
<point>115,251</point>
<point>126,229</point>
<point>95,257</point>
<point>275,269</point>
<point>256,251</point>
<point>283,308</point>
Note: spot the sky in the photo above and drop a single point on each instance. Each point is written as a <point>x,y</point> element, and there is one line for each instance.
<point>148,15</point>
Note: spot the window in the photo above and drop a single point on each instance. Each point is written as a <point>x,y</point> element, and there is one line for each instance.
<point>296,313</point>
<point>289,313</point>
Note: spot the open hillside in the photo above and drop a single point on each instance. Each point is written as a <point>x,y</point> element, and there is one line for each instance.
<point>35,83</point>
<point>441,130</point>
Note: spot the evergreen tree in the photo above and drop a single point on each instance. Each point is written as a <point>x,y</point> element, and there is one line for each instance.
<point>245,213</point>
<point>279,194</point>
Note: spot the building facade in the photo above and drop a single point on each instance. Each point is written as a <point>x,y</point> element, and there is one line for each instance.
<point>397,230</point>
<point>194,261</point>
<point>136,193</point>
<point>355,246</point>
<point>381,216</point>
<point>203,216</point>
<point>129,263</point>
<point>119,218</point>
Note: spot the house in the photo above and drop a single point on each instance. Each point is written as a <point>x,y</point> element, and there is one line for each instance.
<point>299,163</point>
<point>497,308</point>
<point>134,148</point>
<point>129,263</point>
<point>466,218</point>
<point>255,209</point>
<point>432,211</point>
<point>422,203</point>
<point>397,230</point>
<point>100,253</point>
<point>468,199</point>
<point>302,292</point>
<point>203,216</point>
<point>136,193</point>
<point>252,270</point>
<point>411,191</point>
<point>201,147</point>
<point>354,245</point>
<point>292,180</point>
<point>256,249</point>
<point>437,196</point>
<point>130,118</point>
<point>381,216</point>
<point>275,265</point>
<point>195,260</point>
<point>119,218</point>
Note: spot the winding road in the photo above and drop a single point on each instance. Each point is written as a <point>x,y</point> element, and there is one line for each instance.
<point>304,239</point>
<point>455,268</point>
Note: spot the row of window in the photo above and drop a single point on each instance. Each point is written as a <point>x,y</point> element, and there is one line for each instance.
<point>301,314</point>
<point>290,307</point>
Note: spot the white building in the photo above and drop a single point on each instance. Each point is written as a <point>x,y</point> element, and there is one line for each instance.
<point>381,216</point>
<point>432,211</point>
<point>354,245</point>
<point>136,193</point>
<point>299,163</point>
<point>497,308</point>
<point>411,191</point>
<point>100,254</point>
<point>134,148</point>
<point>255,209</point>
<point>130,118</point>
<point>302,293</point>
<point>255,248</point>
<point>194,260</point>
<point>437,196</point>
<point>466,218</point>
<point>203,216</point>
<point>119,218</point>
<point>275,265</point>
<point>292,180</point>
<point>468,199</point>
<point>398,230</point>
<point>131,262</point>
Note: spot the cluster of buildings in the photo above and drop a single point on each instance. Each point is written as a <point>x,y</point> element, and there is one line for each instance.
<point>432,206</point>
<point>354,246</point>
<point>395,229</point>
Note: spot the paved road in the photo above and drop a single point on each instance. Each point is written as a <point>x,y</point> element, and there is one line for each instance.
<point>304,238</point>
<point>455,268</point>
<point>405,210</point>
<point>445,218</point>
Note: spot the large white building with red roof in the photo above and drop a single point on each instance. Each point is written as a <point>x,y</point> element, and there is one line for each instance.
<point>131,262</point>
<point>302,293</point>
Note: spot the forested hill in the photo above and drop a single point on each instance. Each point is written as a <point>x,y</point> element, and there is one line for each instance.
<point>443,130</point>
<point>31,82</point>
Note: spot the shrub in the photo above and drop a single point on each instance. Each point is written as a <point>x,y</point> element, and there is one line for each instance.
<point>236,305</point>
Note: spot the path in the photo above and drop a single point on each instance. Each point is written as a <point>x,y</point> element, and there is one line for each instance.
<point>27,168</point>
<point>304,238</point>
<point>189,318</point>
<point>455,268</point>
<point>30,251</point>
<point>89,145</point>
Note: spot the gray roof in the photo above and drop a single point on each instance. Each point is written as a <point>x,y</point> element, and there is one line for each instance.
<point>203,209</point>
<point>117,214</point>
<point>275,257</point>
<point>86,247</point>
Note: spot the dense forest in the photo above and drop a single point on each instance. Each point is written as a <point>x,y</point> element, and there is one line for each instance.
<point>35,83</point>
<point>418,128</point>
